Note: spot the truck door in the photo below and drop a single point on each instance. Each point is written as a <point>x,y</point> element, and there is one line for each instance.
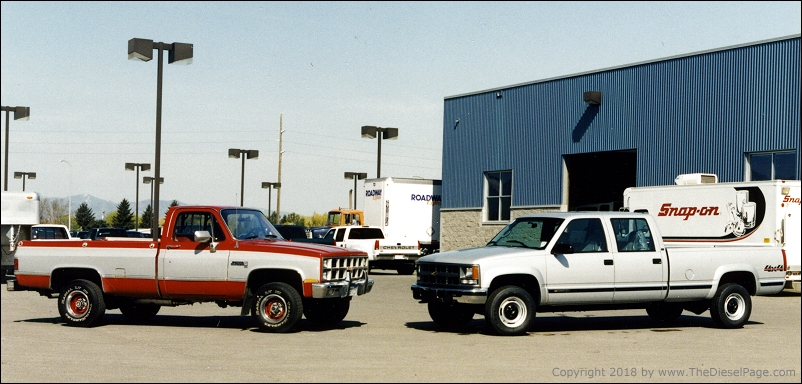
<point>187,267</point>
<point>585,276</point>
<point>640,269</point>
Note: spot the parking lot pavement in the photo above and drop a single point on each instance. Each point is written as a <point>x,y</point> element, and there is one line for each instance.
<point>389,337</point>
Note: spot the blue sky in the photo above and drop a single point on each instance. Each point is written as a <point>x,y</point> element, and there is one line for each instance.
<point>326,68</point>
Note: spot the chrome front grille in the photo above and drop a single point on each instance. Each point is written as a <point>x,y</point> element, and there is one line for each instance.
<point>338,268</point>
<point>439,274</point>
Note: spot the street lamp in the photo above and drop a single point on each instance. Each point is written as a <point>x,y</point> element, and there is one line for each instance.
<point>371,132</point>
<point>356,176</point>
<point>148,180</point>
<point>69,198</point>
<point>23,175</point>
<point>270,187</point>
<point>142,49</point>
<point>20,113</point>
<point>243,153</point>
<point>138,167</point>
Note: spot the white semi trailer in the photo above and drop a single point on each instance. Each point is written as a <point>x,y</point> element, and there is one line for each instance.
<point>701,210</point>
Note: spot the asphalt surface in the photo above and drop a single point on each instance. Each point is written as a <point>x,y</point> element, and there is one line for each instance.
<point>389,337</point>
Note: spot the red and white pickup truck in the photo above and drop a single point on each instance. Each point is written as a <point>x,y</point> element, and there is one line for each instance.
<point>232,256</point>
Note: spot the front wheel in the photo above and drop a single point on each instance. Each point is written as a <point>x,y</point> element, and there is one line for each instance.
<point>326,312</point>
<point>81,303</point>
<point>510,310</point>
<point>450,316</point>
<point>277,307</point>
<point>731,306</point>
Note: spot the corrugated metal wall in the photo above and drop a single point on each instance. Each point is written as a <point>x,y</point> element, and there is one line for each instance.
<point>697,113</point>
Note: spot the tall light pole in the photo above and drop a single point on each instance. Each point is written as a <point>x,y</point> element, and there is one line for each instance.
<point>142,49</point>
<point>356,176</point>
<point>20,113</point>
<point>270,187</point>
<point>23,175</point>
<point>69,198</point>
<point>235,153</point>
<point>149,180</point>
<point>371,132</point>
<point>138,167</point>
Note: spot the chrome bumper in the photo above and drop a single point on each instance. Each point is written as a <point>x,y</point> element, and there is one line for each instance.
<point>341,289</point>
<point>448,295</point>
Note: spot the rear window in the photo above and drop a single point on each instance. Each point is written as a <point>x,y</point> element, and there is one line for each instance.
<point>366,233</point>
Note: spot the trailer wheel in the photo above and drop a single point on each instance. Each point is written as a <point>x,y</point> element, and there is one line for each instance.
<point>277,307</point>
<point>326,312</point>
<point>664,312</point>
<point>731,306</point>
<point>450,316</point>
<point>139,312</point>
<point>81,303</point>
<point>510,310</point>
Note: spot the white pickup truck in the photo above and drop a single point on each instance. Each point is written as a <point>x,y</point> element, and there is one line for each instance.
<point>382,253</point>
<point>571,261</point>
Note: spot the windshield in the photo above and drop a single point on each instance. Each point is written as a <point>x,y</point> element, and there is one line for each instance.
<point>249,224</point>
<point>531,232</point>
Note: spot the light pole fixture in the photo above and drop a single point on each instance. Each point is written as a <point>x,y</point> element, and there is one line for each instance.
<point>181,53</point>
<point>149,180</point>
<point>270,187</point>
<point>371,132</point>
<point>69,198</point>
<point>235,153</point>
<point>23,175</point>
<point>20,113</point>
<point>356,176</point>
<point>138,167</point>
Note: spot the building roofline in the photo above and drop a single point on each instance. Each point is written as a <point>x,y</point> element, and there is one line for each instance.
<point>789,37</point>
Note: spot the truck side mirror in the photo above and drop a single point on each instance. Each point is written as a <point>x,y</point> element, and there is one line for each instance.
<point>562,248</point>
<point>206,237</point>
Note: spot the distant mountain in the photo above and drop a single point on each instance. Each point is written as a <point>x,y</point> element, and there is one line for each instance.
<point>102,207</point>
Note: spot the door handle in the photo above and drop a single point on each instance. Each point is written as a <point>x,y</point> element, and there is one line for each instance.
<point>173,246</point>
<point>608,262</point>
<point>657,261</point>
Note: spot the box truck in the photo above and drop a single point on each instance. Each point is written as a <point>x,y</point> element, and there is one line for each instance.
<point>406,209</point>
<point>701,210</point>
<point>20,211</point>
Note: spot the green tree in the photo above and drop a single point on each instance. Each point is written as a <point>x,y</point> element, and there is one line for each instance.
<point>317,220</point>
<point>293,218</point>
<point>53,211</point>
<point>124,217</point>
<point>84,217</point>
<point>147,217</point>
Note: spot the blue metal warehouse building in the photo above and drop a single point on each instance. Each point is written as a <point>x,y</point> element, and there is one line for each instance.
<point>578,141</point>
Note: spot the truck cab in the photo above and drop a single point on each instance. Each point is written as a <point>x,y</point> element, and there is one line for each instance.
<point>340,217</point>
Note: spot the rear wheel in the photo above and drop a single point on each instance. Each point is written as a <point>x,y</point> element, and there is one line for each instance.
<point>277,307</point>
<point>731,306</point>
<point>406,269</point>
<point>664,312</point>
<point>451,316</point>
<point>510,310</point>
<point>326,312</point>
<point>81,303</point>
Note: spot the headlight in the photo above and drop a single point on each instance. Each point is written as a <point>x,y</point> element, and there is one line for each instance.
<point>469,275</point>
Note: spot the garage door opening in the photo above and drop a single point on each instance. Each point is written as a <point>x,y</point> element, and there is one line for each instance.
<point>596,181</point>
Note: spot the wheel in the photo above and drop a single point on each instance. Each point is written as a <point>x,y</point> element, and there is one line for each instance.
<point>139,312</point>
<point>406,269</point>
<point>731,306</point>
<point>326,312</point>
<point>277,307</point>
<point>510,310</point>
<point>451,316</point>
<point>664,312</point>
<point>81,303</point>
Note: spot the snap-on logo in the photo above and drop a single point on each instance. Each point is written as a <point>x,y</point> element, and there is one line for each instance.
<point>792,200</point>
<point>667,210</point>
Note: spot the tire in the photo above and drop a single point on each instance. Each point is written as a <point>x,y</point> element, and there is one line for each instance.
<point>664,312</point>
<point>139,312</point>
<point>277,307</point>
<point>450,316</point>
<point>510,310</point>
<point>731,306</point>
<point>81,303</point>
<point>326,312</point>
<point>406,269</point>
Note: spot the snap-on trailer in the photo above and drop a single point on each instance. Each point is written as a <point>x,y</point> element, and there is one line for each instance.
<point>407,210</point>
<point>18,212</point>
<point>701,210</point>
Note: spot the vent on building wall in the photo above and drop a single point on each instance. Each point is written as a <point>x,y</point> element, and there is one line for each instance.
<point>696,178</point>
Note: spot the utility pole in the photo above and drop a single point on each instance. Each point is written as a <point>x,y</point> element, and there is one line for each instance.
<point>280,152</point>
